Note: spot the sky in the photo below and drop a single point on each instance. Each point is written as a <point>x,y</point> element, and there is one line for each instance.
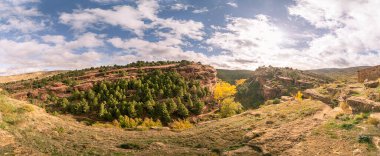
<point>40,35</point>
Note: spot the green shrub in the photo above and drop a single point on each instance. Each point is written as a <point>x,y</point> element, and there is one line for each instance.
<point>346,126</point>
<point>365,139</point>
<point>130,146</point>
<point>276,101</point>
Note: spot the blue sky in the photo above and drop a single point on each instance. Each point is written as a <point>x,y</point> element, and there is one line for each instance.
<point>40,35</point>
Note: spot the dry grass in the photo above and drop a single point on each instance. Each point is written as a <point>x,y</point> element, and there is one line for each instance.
<point>62,135</point>
<point>13,78</point>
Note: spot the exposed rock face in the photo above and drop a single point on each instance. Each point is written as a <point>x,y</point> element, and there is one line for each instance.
<point>359,104</point>
<point>315,95</point>
<point>268,83</point>
<point>83,87</point>
<point>371,84</point>
<point>372,73</point>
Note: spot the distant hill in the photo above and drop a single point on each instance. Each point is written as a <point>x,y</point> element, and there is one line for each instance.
<point>33,75</point>
<point>231,75</point>
<point>340,73</point>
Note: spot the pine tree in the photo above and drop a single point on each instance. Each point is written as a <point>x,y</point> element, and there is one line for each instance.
<point>198,107</point>
<point>172,106</point>
<point>182,110</point>
<point>102,110</point>
<point>163,112</point>
<point>131,109</point>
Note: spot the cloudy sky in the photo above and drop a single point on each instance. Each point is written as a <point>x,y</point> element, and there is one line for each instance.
<point>40,35</point>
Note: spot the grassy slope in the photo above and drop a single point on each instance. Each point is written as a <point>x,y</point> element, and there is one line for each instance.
<point>27,129</point>
<point>340,73</point>
<point>12,78</point>
<point>231,75</point>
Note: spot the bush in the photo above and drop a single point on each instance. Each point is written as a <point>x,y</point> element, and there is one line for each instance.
<point>365,139</point>
<point>347,126</point>
<point>373,121</point>
<point>181,125</point>
<point>276,101</point>
<point>130,146</point>
<point>230,107</point>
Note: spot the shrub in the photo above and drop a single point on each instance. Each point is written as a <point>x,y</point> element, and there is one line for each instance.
<point>230,107</point>
<point>149,123</point>
<point>181,124</point>
<point>373,121</point>
<point>130,146</point>
<point>276,101</point>
<point>347,126</point>
<point>365,139</point>
<point>298,96</point>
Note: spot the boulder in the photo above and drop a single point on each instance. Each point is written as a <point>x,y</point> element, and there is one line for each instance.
<point>359,104</point>
<point>317,96</point>
<point>83,87</point>
<point>371,84</point>
<point>287,98</point>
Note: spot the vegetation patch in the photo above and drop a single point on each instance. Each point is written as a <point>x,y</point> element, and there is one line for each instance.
<point>132,146</point>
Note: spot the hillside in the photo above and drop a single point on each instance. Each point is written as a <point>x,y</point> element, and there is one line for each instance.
<point>268,83</point>
<point>159,91</point>
<point>231,76</point>
<point>13,78</point>
<point>340,73</point>
<point>290,128</point>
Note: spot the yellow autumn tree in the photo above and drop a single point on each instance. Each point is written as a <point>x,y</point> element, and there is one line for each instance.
<point>240,82</point>
<point>230,107</point>
<point>223,90</point>
<point>298,96</point>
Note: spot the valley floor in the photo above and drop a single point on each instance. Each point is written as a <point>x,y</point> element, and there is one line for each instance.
<point>290,128</point>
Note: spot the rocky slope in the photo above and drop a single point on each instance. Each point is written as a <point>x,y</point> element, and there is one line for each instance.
<point>63,84</point>
<point>270,82</point>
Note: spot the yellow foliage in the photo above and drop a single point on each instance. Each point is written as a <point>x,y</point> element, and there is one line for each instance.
<point>223,90</point>
<point>230,107</point>
<point>181,124</point>
<point>240,82</point>
<point>148,122</point>
<point>130,122</point>
<point>298,96</point>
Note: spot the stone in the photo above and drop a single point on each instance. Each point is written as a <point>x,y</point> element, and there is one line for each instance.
<point>253,134</point>
<point>359,104</point>
<point>317,96</point>
<point>371,84</point>
<point>356,152</point>
<point>287,98</point>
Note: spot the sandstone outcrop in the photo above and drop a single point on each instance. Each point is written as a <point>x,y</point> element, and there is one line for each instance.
<point>371,84</point>
<point>359,104</point>
<point>318,96</point>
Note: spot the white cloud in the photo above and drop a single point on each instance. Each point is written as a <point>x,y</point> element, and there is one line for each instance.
<point>82,19</point>
<point>134,20</point>
<point>57,39</point>
<point>250,42</point>
<point>106,1</point>
<point>180,6</point>
<point>20,15</point>
<point>28,56</point>
<point>352,37</point>
<point>201,10</point>
<point>232,4</point>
